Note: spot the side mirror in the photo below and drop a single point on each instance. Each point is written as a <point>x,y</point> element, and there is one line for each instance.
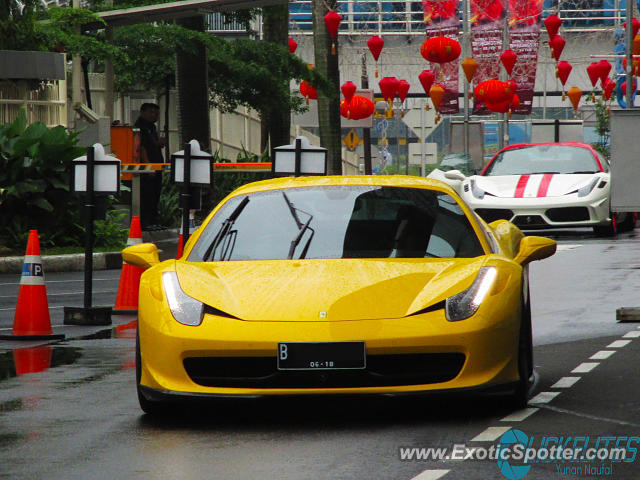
<point>143,255</point>
<point>534,248</point>
<point>454,175</point>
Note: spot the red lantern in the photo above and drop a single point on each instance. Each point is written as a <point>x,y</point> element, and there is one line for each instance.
<point>389,88</point>
<point>635,26</point>
<point>494,91</point>
<point>308,92</point>
<point>604,69</point>
<point>594,73</point>
<point>562,72</point>
<point>348,90</point>
<point>359,108</point>
<point>375,45</point>
<point>552,24</point>
<point>508,59</point>
<point>623,87</point>
<point>440,49</point>
<point>557,45</point>
<point>607,88</point>
<point>332,20</point>
<point>293,45</point>
<point>403,89</point>
<point>426,78</point>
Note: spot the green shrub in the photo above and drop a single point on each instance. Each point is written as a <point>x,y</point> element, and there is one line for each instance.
<point>35,169</point>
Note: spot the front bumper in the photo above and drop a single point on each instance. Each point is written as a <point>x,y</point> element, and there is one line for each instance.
<point>488,344</point>
<point>546,212</point>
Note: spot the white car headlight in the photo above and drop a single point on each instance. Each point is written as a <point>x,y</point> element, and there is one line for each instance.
<point>185,309</point>
<point>586,190</point>
<point>464,304</point>
<point>476,190</point>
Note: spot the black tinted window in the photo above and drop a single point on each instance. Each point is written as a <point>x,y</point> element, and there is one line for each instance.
<point>338,222</point>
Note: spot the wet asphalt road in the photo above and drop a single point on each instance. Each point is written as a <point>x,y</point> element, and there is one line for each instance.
<point>79,419</point>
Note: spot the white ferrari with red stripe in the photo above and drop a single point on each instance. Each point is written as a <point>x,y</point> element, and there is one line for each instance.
<point>544,185</point>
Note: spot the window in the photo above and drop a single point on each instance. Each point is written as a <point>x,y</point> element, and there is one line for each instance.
<point>338,222</point>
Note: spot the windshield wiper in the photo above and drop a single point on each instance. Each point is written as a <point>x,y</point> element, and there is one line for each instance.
<point>225,232</point>
<point>302,228</point>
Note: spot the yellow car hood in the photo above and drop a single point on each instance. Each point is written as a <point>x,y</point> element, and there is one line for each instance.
<point>326,290</point>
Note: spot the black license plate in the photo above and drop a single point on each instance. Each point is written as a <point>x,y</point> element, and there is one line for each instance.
<point>321,355</point>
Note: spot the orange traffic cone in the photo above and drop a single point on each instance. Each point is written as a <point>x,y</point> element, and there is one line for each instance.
<point>32,359</point>
<point>127,297</point>
<point>192,228</point>
<point>31,320</point>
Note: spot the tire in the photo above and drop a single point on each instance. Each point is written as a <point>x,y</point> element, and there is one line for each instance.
<point>150,407</point>
<point>628,222</point>
<point>518,399</point>
<point>607,230</point>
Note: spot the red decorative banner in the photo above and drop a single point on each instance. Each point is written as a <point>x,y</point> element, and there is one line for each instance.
<point>487,31</point>
<point>524,32</point>
<point>441,17</point>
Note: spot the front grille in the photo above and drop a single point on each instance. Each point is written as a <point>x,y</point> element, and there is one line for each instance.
<point>381,370</point>
<point>492,214</point>
<point>568,214</point>
<point>529,221</point>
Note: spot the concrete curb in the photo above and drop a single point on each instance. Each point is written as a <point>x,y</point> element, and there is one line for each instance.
<point>167,241</point>
<point>64,263</point>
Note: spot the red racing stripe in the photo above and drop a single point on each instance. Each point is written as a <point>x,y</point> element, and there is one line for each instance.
<point>544,184</point>
<point>522,183</point>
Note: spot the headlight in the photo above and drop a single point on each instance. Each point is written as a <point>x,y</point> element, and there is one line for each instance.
<point>476,190</point>
<point>185,309</point>
<point>466,303</point>
<point>586,190</point>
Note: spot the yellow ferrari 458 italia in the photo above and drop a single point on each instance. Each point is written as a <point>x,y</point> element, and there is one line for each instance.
<point>337,285</point>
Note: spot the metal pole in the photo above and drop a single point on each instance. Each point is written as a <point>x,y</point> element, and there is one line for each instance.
<point>629,50</point>
<point>186,193</point>
<point>465,46</point>
<point>366,132</point>
<point>88,246</point>
<point>298,157</point>
<point>422,153</point>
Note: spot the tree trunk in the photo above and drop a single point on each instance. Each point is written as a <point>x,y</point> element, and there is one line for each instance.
<point>193,90</point>
<point>328,108</point>
<point>275,25</point>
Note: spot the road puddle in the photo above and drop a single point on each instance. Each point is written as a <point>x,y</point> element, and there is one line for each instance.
<point>22,361</point>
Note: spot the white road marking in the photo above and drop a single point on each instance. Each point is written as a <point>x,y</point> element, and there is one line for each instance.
<point>618,344</point>
<point>585,367</point>
<point>561,247</point>
<point>632,334</point>
<point>544,397</point>
<point>491,434</point>
<point>565,382</point>
<point>602,354</point>
<point>431,475</point>
<point>520,415</point>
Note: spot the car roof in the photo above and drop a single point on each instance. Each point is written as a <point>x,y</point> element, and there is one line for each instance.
<point>337,180</point>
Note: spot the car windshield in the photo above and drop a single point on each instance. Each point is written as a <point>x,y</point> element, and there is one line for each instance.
<point>543,159</point>
<point>457,161</point>
<point>338,222</point>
